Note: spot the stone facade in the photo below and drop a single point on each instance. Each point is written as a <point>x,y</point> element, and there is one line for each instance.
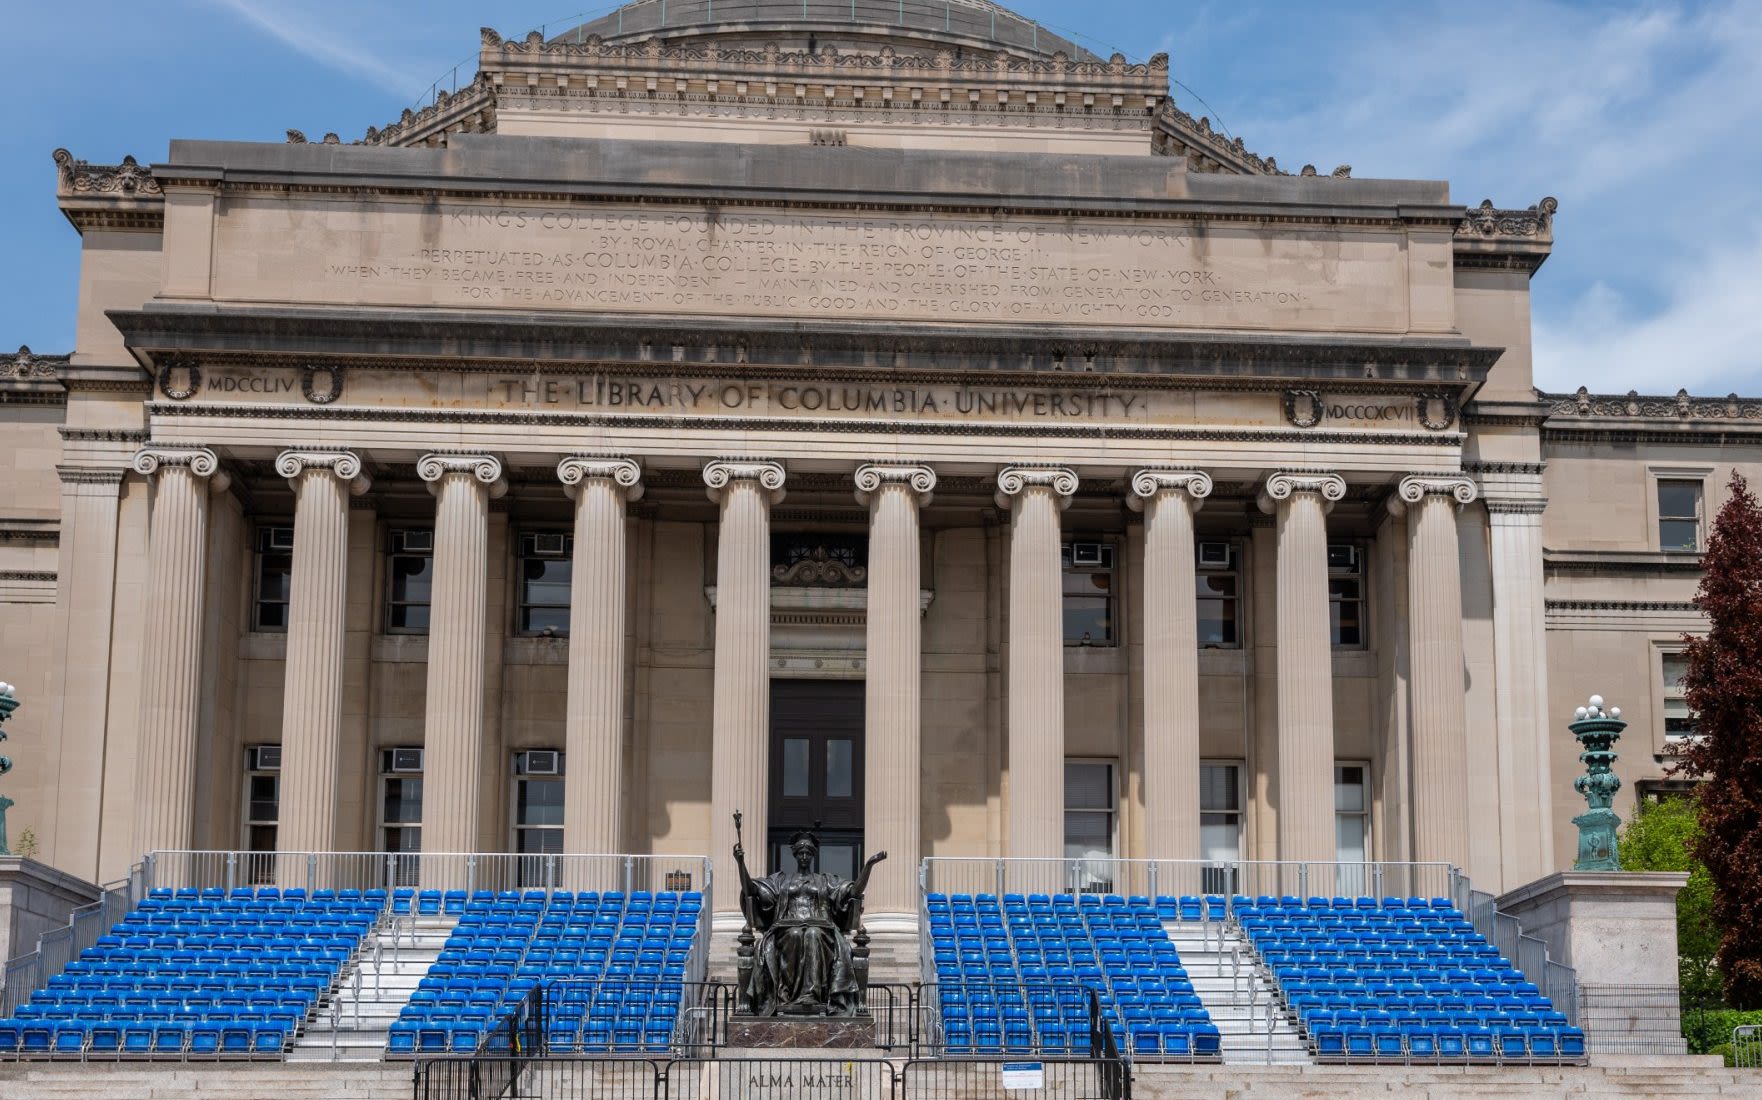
<point>975,304</point>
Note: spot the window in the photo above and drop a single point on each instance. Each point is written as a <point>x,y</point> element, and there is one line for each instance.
<point>1679,724</point>
<point>262,806</point>
<point>1679,515</point>
<point>1346,594</point>
<point>1220,825</point>
<point>400,786</point>
<point>1351,827</point>
<point>546,566</point>
<point>274,575</point>
<point>1218,596</point>
<point>1089,822</point>
<point>409,580</point>
<point>1088,593</point>
<point>538,802</point>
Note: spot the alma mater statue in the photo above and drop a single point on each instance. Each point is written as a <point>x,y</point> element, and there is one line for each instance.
<point>804,920</point>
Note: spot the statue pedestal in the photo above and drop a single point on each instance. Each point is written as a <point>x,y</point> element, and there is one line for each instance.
<point>801,1032</point>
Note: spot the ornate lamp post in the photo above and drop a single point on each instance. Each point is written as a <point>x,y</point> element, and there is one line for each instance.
<point>1597,730</point>
<point>8,704</point>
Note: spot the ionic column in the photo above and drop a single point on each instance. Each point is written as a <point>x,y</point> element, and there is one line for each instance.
<point>594,726</point>
<point>452,726</point>
<point>891,694</point>
<point>740,729</point>
<point>1301,502</point>
<point>171,673</point>
<point>1438,712</point>
<point>1036,711</point>
<point>1520,666</point>
<point>312,692</point>
<point>1168,499</point>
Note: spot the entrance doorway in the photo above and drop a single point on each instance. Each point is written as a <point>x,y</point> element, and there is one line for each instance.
<point>817,771</point>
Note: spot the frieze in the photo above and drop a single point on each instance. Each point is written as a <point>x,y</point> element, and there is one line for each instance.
<point>125,180</point>
<point>1433,411</point>
<point>1487,220</point>
<point>1632,405</point>
<point>29,366</point>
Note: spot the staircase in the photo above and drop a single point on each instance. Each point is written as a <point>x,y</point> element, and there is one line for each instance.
<point>353,1022</point>
<point>1236,990</point>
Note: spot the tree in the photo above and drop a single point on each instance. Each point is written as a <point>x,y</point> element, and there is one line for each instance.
<point>1661,837</point>
<point>1723,686</point>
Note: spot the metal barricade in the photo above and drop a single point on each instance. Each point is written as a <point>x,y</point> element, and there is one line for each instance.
<point>1746,1046</point>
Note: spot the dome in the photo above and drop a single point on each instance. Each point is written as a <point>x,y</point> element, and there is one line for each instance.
<point>864,25</point>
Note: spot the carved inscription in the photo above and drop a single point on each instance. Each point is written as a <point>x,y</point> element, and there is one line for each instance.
<point>779,264</point>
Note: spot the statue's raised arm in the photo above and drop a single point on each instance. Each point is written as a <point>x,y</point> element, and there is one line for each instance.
<point>863,876</point>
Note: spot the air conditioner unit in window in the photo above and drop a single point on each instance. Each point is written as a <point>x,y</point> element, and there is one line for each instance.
<point>279,538</point>
<point>549,544</point>
<point>1214,555</point>
<point>543,762</point>
<point>1343,555</point>
<point>265,758</point>
<point>1088,553</point>
<point>413,542</point>
<point>406,760</point>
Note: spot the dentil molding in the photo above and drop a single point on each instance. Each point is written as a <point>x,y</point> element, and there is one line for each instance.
<point>1283,485</point>
<point>720,474</point>
<point>1014,480</point>
<point>626,474</point>
<point>871,476</point>
<point>1193,485</point>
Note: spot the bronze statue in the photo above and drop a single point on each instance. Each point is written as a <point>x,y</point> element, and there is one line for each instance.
<point>804,919</point>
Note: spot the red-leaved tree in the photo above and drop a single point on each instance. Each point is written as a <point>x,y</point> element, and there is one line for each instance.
<point>1724,689</point>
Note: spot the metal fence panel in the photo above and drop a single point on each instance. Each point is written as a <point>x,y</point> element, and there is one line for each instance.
<point>1160,877</point>
<point>555,1079</point>
<point>1631,1019</point>
<point>772,1078</point>
<point>1746,1046</point>
<point>1073,1079</point>
<point>60,946</point>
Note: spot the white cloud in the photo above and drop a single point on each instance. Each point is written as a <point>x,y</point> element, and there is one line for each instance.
<point>305,35</point>
<point>1641,117</point>
<point>1705,338</point>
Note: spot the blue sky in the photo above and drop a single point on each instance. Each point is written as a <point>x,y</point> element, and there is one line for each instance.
<point>1644,119</point>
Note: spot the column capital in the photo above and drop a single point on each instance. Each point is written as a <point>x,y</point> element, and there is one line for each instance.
<point>199,461</point>
<point>575,469</point>
<point>1194,485</point>
<point>1284,484</point>
<point>344,464</point>
<point>1016,480</point>
<point>1416,487</point>
<point>921,480</point>
<point>486,469</point>
<point>719,474</point>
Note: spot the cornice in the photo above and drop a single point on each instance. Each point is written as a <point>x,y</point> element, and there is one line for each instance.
<point>1529,469</point>
<point>28,576</point>
<point>1672,607</point>
<point>1633,405</point>
<point>1622,562</point>
<point>29,366</point>
<point>114,196</point>
<point>494,341</point>
<point>1495,239</point>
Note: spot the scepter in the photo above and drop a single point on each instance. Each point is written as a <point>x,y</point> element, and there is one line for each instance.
<point>738,842</point>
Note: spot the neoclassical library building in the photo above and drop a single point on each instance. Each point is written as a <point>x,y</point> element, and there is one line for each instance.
<point>885,417</point>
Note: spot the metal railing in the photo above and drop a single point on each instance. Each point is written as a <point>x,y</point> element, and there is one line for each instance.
<point>1556,981</point>
<point>58,947</point>
<point>1746,1046</point>
<point>442,871</point>
<point>1631,1019</point>
<point>796,1078</point>
<point>1167,877</point>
